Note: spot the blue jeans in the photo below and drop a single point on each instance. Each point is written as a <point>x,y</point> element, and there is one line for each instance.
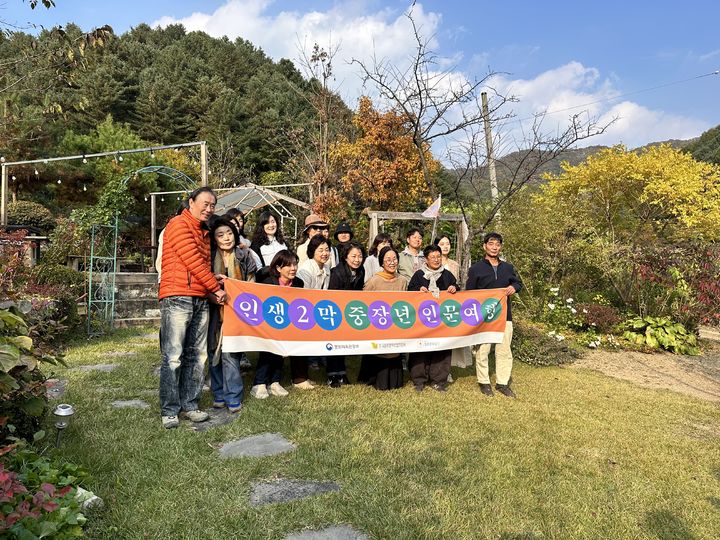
<point>183,345</point>
<point>226,380</point>
<point>269,368</point>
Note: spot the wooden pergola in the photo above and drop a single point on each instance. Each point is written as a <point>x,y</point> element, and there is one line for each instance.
<point>379,216</point>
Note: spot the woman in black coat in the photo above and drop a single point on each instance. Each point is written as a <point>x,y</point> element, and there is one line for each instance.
<point>269,367</point>
<point>348,275</point>
<point>431,367</point>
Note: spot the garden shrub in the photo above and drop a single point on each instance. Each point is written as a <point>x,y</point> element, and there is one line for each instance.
<point>601,318</point>
<point>66,239</point>
<point>38,496</point>
<point>22,391</point>
<point>662,333</point>
<point>31,214</point>
<point>532,345</point>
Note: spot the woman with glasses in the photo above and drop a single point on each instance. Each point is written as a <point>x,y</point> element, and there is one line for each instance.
<point>431,367</point>
<point>384,371</point>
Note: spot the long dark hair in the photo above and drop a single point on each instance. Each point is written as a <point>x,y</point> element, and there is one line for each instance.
<point>259,238</point>
<point>343,270</point>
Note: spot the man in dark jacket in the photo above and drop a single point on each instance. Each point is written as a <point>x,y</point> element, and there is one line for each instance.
<point>492,273</point>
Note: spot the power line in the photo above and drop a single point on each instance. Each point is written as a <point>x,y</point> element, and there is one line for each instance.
<point>621,96</point>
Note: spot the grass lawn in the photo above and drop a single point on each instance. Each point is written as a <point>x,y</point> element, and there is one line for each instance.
<point>578,455</point>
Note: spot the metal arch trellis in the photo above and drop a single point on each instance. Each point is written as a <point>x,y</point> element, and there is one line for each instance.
<point>103,258</point>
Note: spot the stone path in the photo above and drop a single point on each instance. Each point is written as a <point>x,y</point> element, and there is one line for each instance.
<point>336,532</point>
<point>218,417</point>
<point>130,404</point>
<point>279,491</point>
<point>97,367</point>
<point>265,444</point>
<point>55,388</point>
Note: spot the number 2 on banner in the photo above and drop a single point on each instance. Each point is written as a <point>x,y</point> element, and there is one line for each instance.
<point>301,314</point>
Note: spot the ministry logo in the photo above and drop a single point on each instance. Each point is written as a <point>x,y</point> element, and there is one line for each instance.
<point>329,346</point>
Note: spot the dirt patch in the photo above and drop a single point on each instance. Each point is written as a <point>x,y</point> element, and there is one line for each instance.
<point>697,376</point>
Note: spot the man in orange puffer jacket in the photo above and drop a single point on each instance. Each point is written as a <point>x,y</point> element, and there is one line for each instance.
<point>187,282</point>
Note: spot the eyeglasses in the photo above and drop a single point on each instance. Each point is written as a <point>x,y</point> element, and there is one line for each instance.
<point>390,262</point>
<point>319,228</point>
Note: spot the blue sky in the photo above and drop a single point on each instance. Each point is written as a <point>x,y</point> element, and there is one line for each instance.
<point>551,54</point>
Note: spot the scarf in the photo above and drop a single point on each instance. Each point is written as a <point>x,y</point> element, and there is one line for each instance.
<point>432,276</point>
<point>386,275</point>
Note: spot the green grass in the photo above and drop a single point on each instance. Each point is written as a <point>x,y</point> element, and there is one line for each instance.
<point>578,455</point>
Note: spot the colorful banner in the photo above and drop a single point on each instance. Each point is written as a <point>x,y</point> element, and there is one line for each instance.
<point>307,322</point>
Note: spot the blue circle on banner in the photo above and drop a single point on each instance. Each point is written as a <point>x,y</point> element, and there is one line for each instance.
<point>327,315</point>
<point>276,311</point>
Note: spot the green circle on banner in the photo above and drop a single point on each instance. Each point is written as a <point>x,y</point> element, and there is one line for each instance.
<point>491,309</point>
<point>450,312</point>
<point>356,315</point>
<point>403,314</point>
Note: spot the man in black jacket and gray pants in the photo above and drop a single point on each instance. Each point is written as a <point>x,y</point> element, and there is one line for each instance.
<point>492,273</point>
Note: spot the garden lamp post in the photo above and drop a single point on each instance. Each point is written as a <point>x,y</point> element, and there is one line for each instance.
<point>63,413</point>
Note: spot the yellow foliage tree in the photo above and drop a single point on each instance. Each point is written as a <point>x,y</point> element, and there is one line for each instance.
<point>634,196</point>
<point>381,168</point>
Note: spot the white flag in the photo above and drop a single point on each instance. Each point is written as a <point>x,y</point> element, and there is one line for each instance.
<point>433,210</point>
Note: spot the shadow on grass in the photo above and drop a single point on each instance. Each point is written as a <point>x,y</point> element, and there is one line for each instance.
<point>715,501</point>
<point>667,526</point>
<point>520,536</point>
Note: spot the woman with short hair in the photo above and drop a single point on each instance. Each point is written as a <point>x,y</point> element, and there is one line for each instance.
<point>432,367</point>
<point>384,371</point>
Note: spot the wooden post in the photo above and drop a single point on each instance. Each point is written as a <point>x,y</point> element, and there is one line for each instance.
<point>203,163</point>
<point>3,196</point>
<point>153,232</point>
<point>490,153</point>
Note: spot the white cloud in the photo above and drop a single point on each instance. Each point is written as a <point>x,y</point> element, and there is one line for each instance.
<point>387,35</point>
<point>574,88</point>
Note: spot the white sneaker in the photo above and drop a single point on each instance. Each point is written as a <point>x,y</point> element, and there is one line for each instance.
<point>450,378</point>
<point>195,416</point>
<point>259,391</point>
<point>277,390</point>
<point>170,422</point>
<point>305,385</point>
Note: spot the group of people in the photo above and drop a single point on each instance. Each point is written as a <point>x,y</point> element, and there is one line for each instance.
<point>199,250</point>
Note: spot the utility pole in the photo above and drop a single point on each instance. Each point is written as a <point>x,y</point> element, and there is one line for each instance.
<point>490,153</point>
<point>203,163</point>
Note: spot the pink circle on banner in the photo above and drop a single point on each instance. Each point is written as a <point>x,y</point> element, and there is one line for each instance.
<point>301,314</point>
<point>472,312</point>
<point>429,313</point>
<point>380,316</point>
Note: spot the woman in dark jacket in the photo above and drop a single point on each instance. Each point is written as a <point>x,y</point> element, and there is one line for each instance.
<point>348,275</point>
<point>269,367</point>
<point>227,260</point>
<point>432,366</point>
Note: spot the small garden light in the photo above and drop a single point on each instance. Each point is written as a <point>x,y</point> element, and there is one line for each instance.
<point>63,413</point>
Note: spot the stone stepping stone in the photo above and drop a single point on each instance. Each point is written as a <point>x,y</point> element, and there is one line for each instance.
<point>265,444</point>
<point>149,336</point>
<point>156,371</point>
<point>130,404</point>
<point>97,367</point>
<point>335,532</point>
<point>280,491</point>
<point>218,417</point>
<point>55,388</point>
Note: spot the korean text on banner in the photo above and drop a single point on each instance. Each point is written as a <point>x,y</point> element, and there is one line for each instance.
<point>307,322</point>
